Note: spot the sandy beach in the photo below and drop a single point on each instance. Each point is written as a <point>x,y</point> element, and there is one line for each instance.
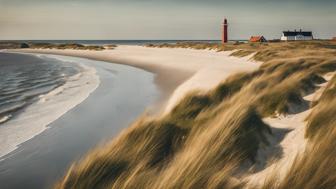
<point>110,108</point>
<point>178,71</point>
<point>167,94</point>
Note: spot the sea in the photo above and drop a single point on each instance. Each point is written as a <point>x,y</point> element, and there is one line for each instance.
<point>24,78</point>
<point>48,132</point>
<point>115,42</point>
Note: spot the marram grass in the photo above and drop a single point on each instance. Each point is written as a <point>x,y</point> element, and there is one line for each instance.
<point>209,137</point>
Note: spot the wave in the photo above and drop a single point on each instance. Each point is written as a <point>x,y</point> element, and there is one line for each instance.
<point>46,108</point>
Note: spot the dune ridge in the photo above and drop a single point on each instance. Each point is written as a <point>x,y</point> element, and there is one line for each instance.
<point>226,136</point>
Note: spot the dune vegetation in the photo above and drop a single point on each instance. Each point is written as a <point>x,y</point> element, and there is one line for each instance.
<point>264,51</point>
<point>38,45</point>
<point>74,46</point>
<point>316,167</point>
<point>211,138</point>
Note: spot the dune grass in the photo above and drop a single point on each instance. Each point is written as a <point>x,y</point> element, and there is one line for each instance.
<point>322,119</point>
<point>34,45</point>
<point>210,137</point>
<point>316,167</point>
<point>74,46</point>
<point>9,45</point>
<point>264,51</point>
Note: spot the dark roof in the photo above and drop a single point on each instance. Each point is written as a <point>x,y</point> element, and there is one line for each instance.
<point>258,39</point>
<point>295,33</point>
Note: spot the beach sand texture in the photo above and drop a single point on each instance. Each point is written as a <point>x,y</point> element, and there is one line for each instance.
<point>178,71</point>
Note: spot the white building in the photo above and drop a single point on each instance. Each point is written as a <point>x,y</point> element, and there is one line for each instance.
<point>297,35</point>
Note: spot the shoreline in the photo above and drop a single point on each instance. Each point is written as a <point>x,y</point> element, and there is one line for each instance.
<point>16,131</point>
<point>123,95</point>
<point>205,69</point>
<point>283,102</point>
<point>178,71</point>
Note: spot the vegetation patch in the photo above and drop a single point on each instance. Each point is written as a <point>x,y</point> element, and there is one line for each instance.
<point>210,134</point>
<point>74,46</point>
<point>315,168</point>
<point>322,119</point>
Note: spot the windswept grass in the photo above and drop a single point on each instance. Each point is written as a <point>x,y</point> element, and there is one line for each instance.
<point>210,137</point>
<point>74,46</point>
<point>211,153</point>
<point>316,167</point>
<point>242,53</point>
<point>264,51</point>
<point>10,45</point>
<point>323,118</point>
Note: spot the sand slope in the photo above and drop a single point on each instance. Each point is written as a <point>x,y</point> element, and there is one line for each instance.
<point>287,142</point>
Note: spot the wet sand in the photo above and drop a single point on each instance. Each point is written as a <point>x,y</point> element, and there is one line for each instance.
<point>48,107</point>
<point>178,70</point>
<point>124,94</point>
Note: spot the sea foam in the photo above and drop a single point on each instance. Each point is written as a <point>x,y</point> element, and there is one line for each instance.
<point>51,106</point>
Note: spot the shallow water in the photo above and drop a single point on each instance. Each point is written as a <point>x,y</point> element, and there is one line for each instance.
<point>23,78</point>
<point>123,94</point>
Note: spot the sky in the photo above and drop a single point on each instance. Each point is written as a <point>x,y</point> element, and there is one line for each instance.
<point>162,19</point>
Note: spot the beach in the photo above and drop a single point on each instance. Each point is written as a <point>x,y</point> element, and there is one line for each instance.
<point>280,109</point>
<point>175,72</point>
<point>35,118</point>
<point>167,94</point>
<point>178,71</point>
<point>123,94</point>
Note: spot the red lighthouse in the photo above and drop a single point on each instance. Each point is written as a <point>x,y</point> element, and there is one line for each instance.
<point>225,32</point>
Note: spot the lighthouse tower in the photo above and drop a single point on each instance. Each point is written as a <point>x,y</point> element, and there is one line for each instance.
<point>225,31</point>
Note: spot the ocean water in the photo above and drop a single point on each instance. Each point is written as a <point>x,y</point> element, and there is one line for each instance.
<point>39,162</point>
<point>115,42</point>
<point>23,78</point>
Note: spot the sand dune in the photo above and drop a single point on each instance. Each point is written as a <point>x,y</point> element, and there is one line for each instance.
<point>288,140</point>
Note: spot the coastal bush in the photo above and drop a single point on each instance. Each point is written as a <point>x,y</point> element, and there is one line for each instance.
<point>9,45</point>
<point>24,45</point>
<point>74,46</point>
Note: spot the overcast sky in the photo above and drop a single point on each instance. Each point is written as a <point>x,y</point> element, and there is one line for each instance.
<point>162,19</point>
